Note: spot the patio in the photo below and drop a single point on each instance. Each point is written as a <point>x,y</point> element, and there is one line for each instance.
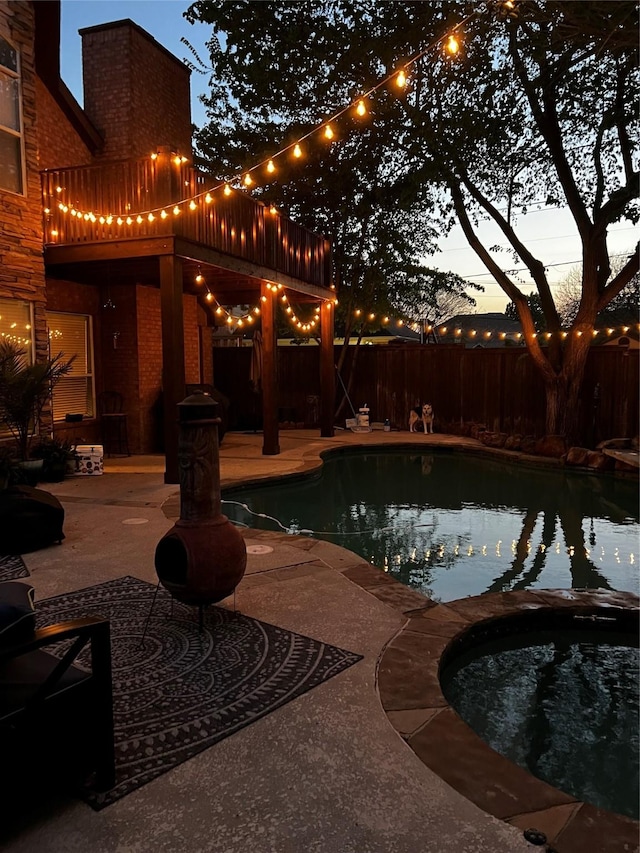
<point>326,772</point>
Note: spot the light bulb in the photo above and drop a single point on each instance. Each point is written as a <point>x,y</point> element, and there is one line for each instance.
<point>273,209</point>
<point>453,46</point>
<point>164,214</point>
<point>328,132</point>
<point>297,151</point>
<point>227,189</point>
<point>270,167</point>
<point>199,278</point>
<point>361,108</point>
<point>176,211</point>
<point>247,180</point>
<point>192,205</point>
<point>209,297</point>
<point>208,198</point>
<point>401,79</point>
<point>151,217</point>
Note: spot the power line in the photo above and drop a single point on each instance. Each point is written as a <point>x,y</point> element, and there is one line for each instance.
<point>547,266</point>
<point>533,240</point>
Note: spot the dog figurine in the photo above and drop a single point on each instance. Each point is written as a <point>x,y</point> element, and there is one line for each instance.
<point>422,413</point>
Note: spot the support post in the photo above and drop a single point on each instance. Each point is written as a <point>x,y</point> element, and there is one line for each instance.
<point>327,371</point>
<point>270,442</point>
<point>173,373</point>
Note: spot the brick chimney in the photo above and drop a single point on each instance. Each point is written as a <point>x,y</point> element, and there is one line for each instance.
<point>136,92</point>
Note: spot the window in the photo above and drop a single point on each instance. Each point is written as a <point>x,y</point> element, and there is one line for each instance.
<point>11,177</point>
<point>70,334</point>
<point>15,324</point>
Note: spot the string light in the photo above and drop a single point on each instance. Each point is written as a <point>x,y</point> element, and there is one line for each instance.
<point>452,45</point>
<point>360,108</point>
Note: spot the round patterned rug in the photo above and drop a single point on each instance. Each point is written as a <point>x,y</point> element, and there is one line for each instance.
<point>181,690</point>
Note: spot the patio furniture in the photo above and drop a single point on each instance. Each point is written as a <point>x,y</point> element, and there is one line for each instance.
<point>30,519</point>
<point>113,424</point>
<point>56,716</point>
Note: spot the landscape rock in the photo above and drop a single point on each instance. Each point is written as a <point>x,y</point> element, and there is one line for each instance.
<point>551,445</point>
<point>577,456</point>
<point>598,461</point>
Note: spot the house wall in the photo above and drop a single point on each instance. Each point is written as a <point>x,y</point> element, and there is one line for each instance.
<point>135,92</point>
<point>21,263</point>
<point>58,143</point>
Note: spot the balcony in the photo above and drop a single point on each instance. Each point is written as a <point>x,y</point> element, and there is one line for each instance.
<point>130,210</point>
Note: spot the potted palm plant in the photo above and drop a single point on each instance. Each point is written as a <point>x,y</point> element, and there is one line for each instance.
<point>24,391</point>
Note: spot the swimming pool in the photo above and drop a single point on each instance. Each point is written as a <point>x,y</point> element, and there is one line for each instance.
<point>450,524</point>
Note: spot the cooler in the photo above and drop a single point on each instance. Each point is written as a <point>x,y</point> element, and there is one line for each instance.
<point>89,460</point>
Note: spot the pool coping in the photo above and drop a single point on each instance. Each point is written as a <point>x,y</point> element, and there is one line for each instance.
<point>409,689</point>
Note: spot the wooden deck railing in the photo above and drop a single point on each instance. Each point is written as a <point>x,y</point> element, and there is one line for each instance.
<point>148,198</point>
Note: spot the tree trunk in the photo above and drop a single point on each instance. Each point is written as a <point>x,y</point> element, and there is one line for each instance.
<point>562,391</point>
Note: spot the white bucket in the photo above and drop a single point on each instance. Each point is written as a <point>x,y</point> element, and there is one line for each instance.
<point>89,460</point>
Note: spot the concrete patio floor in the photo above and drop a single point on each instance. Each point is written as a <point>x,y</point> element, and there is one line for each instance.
<point>325,773</point>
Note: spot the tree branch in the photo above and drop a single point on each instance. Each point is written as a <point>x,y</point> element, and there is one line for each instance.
<point>620,280</point>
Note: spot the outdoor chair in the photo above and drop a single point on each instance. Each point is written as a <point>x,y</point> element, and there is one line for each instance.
<point>56,715</point>
<point>113,424</point>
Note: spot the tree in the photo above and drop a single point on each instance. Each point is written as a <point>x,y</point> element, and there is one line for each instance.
<point>623,309</point>
<point>535,307</point>
<point>275,67</point>
<point>537,104</point>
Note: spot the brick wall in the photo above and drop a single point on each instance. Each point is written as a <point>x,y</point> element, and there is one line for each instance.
<point>191,340</point>
<point>150,368</point>
<point>58,143</point>
<point>135,92</point>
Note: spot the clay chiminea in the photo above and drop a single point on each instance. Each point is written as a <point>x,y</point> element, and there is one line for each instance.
<point>203,557</point>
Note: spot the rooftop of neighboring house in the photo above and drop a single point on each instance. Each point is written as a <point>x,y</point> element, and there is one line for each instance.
<point>479,330</point>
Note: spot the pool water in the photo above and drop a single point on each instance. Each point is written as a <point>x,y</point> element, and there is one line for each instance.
<point>453,525</point>
<point>564,706</point>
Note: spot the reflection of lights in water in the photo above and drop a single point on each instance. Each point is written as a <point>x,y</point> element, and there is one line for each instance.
<point>440,551</point>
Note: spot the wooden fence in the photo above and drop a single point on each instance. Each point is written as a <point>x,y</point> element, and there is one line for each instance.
<point>497,387</point>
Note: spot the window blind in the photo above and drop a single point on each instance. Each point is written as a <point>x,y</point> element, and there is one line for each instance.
<point>70,334</point>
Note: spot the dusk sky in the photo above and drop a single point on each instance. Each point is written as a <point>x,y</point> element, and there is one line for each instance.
<point>550,234</point>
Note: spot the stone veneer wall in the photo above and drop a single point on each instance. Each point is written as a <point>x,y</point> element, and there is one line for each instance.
<point>135,92</point>
<point>21,262</point>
